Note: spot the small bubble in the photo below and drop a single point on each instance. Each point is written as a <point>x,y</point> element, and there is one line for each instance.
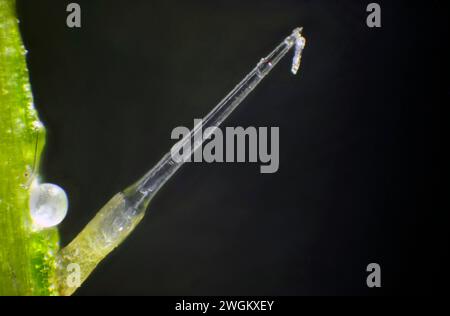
<point>48,204</point>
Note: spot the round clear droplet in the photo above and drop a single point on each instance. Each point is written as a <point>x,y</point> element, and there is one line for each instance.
<point>48,204</point>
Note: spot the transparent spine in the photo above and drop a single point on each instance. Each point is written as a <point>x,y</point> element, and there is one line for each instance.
<point>119,217</point>
<point>142,192</point>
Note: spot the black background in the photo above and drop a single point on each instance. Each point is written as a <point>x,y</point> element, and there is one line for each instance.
<point>358,167</point>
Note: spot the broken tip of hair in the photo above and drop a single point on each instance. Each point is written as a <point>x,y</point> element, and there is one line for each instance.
<point>299,42</point>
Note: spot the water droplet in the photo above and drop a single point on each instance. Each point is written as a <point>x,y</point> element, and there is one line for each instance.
<point>48,204</point>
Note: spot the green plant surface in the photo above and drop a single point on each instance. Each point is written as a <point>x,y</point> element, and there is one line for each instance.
<point>27,255</point>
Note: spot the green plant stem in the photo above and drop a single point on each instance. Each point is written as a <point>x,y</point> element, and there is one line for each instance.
<point>27,256</point>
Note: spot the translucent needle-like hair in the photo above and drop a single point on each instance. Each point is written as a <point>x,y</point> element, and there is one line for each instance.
<point>115,221</point>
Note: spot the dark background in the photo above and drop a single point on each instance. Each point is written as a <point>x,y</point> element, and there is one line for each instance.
<point>358,167</point>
